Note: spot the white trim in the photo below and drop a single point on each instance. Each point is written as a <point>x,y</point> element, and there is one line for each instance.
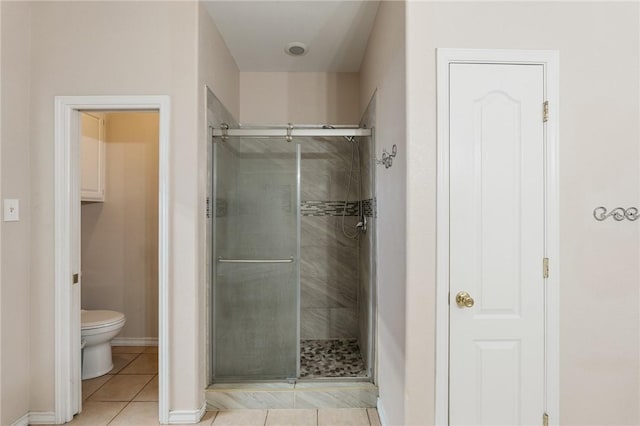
<point>381,413</point>
<point>550,61</point>
<point>35,418</point>
<point>66,108</point>
<point>187,416</point>
<point>135,341</point>
<point>22,421</point>
<point>42,417</point>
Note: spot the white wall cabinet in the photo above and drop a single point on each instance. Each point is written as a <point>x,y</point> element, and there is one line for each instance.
<point>92,157</point>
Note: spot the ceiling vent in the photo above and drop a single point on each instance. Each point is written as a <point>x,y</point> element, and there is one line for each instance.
<point>296,49</point>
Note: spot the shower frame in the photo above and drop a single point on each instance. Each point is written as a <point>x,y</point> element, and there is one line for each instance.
<point>289,133</point>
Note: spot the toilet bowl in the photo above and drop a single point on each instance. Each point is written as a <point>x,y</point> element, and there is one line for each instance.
<point>98,328</point>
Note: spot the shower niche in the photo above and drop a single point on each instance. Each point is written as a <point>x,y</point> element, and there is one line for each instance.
<point>291,258</point>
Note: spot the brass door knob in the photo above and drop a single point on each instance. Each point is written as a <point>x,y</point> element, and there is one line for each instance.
<point>463,299</point>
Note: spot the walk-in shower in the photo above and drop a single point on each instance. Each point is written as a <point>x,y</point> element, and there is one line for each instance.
<point>292,295</point>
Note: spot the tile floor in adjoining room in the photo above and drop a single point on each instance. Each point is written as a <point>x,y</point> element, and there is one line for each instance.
<point>128,395</point>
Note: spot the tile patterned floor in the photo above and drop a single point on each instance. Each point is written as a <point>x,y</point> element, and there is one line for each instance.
<point>128,395</point>
<point>331,358</point>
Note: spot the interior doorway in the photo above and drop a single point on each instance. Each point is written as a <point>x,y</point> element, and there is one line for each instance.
<point>119,257</point>
<point>68,393</point>
<point>497,235</point>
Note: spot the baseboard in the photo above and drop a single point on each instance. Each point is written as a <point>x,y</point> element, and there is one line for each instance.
<point>42,418</point>
<point>22,421</point>
<point>180,417</point>
<point>383,417</point>
<point>135,341</point>
<point>36,418</point>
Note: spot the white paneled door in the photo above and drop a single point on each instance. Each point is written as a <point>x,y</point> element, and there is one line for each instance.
<point>497,244</point>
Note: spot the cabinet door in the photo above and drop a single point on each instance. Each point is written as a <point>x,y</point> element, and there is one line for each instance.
<point>92,158</point>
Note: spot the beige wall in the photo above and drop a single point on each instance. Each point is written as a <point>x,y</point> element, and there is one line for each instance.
<point>135,48</point>
<point>599,68</point>
<point>383,72</point>
<point>120,235</point>
<point>299,98</point>
<point>217,70</point>
<point>15,320</point>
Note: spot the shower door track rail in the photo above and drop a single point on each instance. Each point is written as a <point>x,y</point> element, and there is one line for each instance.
<point>284,132</point>
<point>223,260</point>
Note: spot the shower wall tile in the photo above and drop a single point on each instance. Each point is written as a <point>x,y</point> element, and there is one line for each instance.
<point>322,292</point>
<point>328,184</point>
<point>343,322</point>
<point>314,323</point>
<point>329,262</point>
<point>334,323</point>
<point>366,243</point>
<point>326,231</point>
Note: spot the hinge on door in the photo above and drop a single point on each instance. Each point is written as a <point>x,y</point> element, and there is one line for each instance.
<point>545,111</point>
<point>545,419</point>
<point>545,267</point>
<point>208,211</point>
<point>76,278</point>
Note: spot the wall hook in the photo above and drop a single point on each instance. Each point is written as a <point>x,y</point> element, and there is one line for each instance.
<point>618,214</point>
<point>387,159</point>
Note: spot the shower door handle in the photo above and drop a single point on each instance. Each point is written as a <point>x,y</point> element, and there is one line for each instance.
<point>223,260</point>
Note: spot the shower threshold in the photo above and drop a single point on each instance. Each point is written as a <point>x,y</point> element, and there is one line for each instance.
<point>302,394</point>
<point>332,375</point>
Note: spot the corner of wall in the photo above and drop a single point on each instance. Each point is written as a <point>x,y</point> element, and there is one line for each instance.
<point>217,71</point>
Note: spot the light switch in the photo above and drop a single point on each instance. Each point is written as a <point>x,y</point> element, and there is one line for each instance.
<point>11,210</point>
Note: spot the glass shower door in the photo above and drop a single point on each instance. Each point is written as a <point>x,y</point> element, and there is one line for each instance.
<point>256,259</point>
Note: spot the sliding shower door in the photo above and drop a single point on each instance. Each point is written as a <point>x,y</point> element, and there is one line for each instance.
<point>256,259</point>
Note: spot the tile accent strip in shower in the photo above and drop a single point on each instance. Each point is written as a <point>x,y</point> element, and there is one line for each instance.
<point>336,208</point>
<point>221,207</point>
<point>328,208</point>
<point>369,207</point>
<point>317,208</point>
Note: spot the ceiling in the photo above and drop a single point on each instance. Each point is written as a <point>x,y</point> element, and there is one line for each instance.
<point>257,32</point>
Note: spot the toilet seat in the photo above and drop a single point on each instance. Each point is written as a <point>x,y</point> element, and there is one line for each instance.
<point>100,319</point>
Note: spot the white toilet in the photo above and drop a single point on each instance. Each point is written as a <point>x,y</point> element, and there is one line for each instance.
<point>98,328</point>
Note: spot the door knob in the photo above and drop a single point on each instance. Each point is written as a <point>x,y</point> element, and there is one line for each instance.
<point>463,299</point>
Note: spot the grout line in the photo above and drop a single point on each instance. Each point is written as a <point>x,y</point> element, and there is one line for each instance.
<point>142,388</point>
<point>317,417</point>
<point>368,416</point>
<point>215,415</point>
<point>265,418</point>
<point>132,399</point>
<point>99,387</point>
<point>118,413</point>
<point>127,364</point>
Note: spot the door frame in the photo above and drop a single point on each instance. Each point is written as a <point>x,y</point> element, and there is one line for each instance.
<point>67,394</point>
<point>549,59</point>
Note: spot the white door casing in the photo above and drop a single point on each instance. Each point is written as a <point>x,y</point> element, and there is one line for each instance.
<point>497,220</point>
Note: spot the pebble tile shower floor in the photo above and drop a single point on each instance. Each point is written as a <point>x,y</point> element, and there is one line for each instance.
<point>331,358</point>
